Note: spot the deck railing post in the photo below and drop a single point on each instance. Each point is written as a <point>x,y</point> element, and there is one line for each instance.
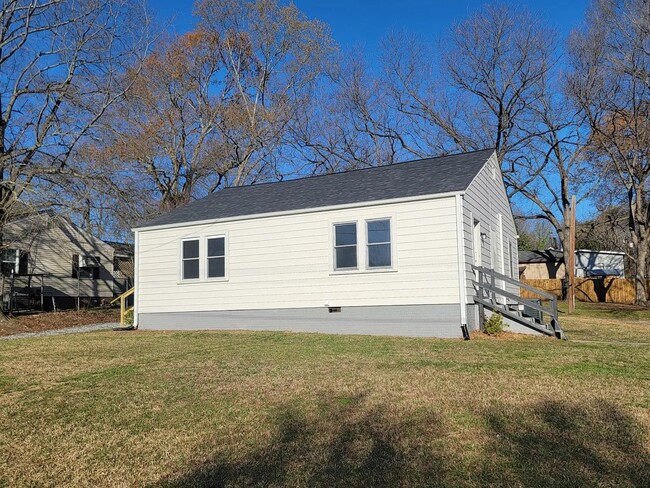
<point>122,308</point>
<point>554,309</point>
<point>493,284</point>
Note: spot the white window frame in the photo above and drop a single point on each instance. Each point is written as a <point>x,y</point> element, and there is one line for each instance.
<point>391,243</point>
<point>226,256</point>
<point>181,261</point>
<point>334,246</point>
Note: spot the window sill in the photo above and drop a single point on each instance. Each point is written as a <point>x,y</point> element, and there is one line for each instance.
<point>216,280</point>
<point>363,271</point>
<point>204,280</point>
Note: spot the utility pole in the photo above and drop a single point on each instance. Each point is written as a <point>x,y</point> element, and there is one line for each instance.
<point>571,265</point>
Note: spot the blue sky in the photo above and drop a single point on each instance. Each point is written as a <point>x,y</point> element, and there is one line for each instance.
<point>362,24</point>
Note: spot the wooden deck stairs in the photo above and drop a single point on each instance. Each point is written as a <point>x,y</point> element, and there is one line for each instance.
<point>531,313</point>
<point>124,309</point>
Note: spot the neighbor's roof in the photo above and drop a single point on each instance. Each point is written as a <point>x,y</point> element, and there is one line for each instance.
<point>121,248</point>
<point>546,256</point>
<point>410,179</point>
<point>556,256</point>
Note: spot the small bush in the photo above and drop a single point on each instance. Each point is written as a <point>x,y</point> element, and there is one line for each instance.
<point>128,317</point>
<point>495,324</point>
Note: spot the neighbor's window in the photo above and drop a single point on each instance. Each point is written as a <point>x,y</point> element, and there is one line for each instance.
<point>190,259</point>
<point>85,266</point>
<point>379,248</point>
<point>9,258</point>
<point>216,257</point>
<point>345,246</point>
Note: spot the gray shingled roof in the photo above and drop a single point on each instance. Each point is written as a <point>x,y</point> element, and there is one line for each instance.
<point>410,179</point>
<point>542,256</point>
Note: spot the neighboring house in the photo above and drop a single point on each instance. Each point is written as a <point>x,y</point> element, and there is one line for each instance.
<point>549,264</point>
<point>122,266</point>
<point>384,250</point>
<point>50,262</point>
<point>599,263</point>
<point>541,265</point>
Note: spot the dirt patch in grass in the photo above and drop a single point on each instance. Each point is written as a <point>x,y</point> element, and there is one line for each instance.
<point>56,320</point>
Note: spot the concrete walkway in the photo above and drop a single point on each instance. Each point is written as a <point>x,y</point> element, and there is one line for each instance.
<point>69,330</point>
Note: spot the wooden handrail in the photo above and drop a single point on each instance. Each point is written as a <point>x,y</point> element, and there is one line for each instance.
<point>518,299</point>
<point>122,298</point>
<point>487,289</point>
<point>508,279</point>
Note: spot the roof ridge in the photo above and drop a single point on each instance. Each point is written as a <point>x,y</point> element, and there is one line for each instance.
<point>355,170</point>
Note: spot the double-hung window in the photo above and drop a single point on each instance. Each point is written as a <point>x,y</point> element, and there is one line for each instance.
<point>216,257</point>
<point>379,245</point>
<point>190,258</point>
<point>345,246</point>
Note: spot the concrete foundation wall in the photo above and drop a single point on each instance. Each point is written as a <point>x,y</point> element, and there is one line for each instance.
<point>403,320</point>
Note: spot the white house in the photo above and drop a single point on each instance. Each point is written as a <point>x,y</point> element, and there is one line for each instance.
<point>549,264</point>
<point>384,250</point>
<point>599,263</point>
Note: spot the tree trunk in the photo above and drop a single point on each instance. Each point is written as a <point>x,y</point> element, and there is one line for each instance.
<point>565,238</point>
<point>641,272</point>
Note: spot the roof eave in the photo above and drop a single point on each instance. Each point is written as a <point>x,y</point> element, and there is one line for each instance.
<point>433,196</point>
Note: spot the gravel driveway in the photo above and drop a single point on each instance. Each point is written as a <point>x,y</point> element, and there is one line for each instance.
<point>69,330</point>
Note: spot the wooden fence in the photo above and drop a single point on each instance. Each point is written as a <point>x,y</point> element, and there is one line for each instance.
<point>609,289</point>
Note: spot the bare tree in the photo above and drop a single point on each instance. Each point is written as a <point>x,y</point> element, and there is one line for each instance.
<point>274,56</point>
<point>500,57</point>
<point>554,165</point>
<point>611,85</point>
<point>164,138</point>
<point>61,67</point>
<point>498,89</point>
<point>352,124</point>
<point>213,107</point>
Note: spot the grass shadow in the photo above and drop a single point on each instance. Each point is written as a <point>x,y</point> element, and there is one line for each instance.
<point>348,443</point>
<point>559,444</point>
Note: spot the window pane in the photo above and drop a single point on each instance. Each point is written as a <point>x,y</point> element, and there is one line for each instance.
<point>216,246</point>
<point>346,257</point>
<point>378,231</point>
<point>346,234</point>
<point>190,269</point>
<point>379,255</point>
<point>9,255</point>
<point>191,249</point>
<point>216,267</point>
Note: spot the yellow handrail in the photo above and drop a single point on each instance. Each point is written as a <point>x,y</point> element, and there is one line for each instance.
<point>122,298</point>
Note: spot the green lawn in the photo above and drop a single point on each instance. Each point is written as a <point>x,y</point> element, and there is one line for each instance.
<point>274,409</point>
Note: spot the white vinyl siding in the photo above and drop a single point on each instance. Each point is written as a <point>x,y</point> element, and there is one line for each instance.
<point>486,202</point>
<point>288,262</point>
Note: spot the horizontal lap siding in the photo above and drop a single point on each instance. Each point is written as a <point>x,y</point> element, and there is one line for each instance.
<point>483,201</point>
<point>286,262</point>
<point>50,253</point>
